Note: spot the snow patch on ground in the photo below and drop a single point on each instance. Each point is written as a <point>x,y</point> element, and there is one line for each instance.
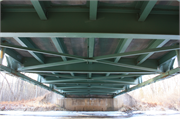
<point>93,115</point>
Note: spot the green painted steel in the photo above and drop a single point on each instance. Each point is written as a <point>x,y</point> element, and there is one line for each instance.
<point>153,80</point>
<point>91,35</point>
<point>98,83</point>
<point>146,51</point>
<point>26,43</point>
<point>111,23</point>
<point>91,47</point>
<point>26,78</point>
<point>93,78</point>
<point>12,63</point>
<point>150,63</point>
<point>90,52</point>
<point>116,23</point>
<point>115,76</point>
<point>58,46</point>
<point>100,10</point>
<point>168,56</point>
<point>178,57</point>
<point>93,9</point>
<point>89,87</point>
<point>51,64</point>
<point>163,49</point>
<point>40,9</point>
<point>13,54</point>
<point>127,80</point>
<point>155,44</point>
<point>57,43</point>
<point>43,52</point>
<point>128,66</point>
<point>87,93</point>
<point>91,91</point>
<point>60,75</point>
<point>121,48</point>
<point>89,71</point>
<point>146,9</point>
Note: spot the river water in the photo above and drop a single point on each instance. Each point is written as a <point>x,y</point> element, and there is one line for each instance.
<point>170,114</point>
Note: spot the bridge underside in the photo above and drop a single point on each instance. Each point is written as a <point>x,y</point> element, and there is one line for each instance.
<point>90,48</point>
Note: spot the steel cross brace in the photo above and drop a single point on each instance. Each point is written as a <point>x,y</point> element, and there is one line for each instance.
<point>95,59</point>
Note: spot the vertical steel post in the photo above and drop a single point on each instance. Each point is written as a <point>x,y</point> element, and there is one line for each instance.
<point>178,57</point>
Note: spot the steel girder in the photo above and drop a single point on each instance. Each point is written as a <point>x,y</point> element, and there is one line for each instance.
<point>107,23</point>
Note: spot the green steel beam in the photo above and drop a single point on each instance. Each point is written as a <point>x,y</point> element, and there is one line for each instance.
<point>89,71</point>
<point>91,47</point>
<point>59,48</point>
<point>43,51</point>
<point>96,67</point>
<point>93,78</point>
<point>13,64</point>
<point>178,57</point>
<point>40,9</point>
<point>15,22</point>
<point>91,52</point>
<point>64,76</point>
<point>155,44</point>
<point>39,78</point>
<point>100,10</point>
<point>97,83</point>
<point>15,55</point>
<point>26,43</point>
<point>58,80</point>
<point>122,48</point>
<point>99,78</point>
<point>90,35</point>
<point>9,62</point>
<point>26,78</point>
<point>115,76</point>
<point>127,53</point>
<point>87,93</point>
<point>51,64</point>
<point>153,80</point>
<point>54,81</point>
<point>168,56</point>
<point>93,9</point>
<point>146,51</point>
<point>146,9</point>
<point>89,87</point>
<point>128,66</point>
<point>91,91</point>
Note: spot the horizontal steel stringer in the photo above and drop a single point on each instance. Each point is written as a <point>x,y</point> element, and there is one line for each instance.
<point>95,59</point>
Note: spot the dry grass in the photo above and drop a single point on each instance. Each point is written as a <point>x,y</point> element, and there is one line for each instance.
<point>35,104</point>
<point>164,94</point>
